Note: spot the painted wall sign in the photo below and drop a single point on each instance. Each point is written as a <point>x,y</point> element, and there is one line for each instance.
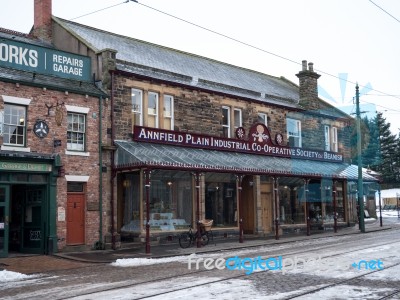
<point>259,141</point>
<point>43,60</point>
<point>20,166</point>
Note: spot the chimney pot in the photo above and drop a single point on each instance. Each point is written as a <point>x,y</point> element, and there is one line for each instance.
<point>311,67</point>
<point>304,63</point>
<point>42,20</point>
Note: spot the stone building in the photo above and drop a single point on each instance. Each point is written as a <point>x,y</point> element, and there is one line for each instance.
<point>191,138</point>
<point>50,131</point>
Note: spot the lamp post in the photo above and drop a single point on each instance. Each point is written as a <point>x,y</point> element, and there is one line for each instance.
<point>380,206</point>
<point>334,207</point>
<point>360,178</point>
<point>198,237</point>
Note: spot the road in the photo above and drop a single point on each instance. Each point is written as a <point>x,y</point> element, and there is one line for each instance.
<point>356,266</point>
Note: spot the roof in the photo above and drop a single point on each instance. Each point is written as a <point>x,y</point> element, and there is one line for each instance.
<point>131,155</point>
<point>164,63</point>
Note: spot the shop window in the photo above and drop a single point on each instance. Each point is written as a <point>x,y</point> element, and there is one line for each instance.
<point>293,132</point>
<point>168,112</point>
<point>137,107</point>
<point>21,177</point>
<point>221,200</point>
<point>237,115</point>
<point>152,110</point>
<point>226,121</point>
<point>291,202</point>
<point>14,125</point>
<point>263,119</point>
<point>76,131</point>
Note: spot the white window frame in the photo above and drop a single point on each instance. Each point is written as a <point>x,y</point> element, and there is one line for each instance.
<point>335,146</point>
<point>71,147</point>
<point>153,112</point>
<point>264,117</point>
<point>327,134</point>
<point>297,125</point>
<point>228,123</point>
<point>170,114</point>
<point>4,125</point>
<point>137,110</point>
<point>235,110</point>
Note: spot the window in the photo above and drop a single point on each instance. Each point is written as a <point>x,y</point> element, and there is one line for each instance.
<point>327,138</point>
<point>76,131</point>
<point>237,114</point>
<point>331,140</point>
<point>262,118</point>
<point>152,110</point>
<point>137,104</point>
<point>14,125</point>
<point>168,112</point>
<point>226,121</point>
<point>334,140</point>
<point>294,132</point>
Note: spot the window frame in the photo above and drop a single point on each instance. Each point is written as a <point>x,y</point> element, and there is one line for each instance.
<point>24,128</point>
<point>239,110</point>
<point>171,116</point>
<point>84,133</point>
<point>156,109</point>
<point>226,126</point>
<point>297,124</point>
<point>135,111</point>
<point>264,117</point>
<point>334,134</point>
<point>327,135</point>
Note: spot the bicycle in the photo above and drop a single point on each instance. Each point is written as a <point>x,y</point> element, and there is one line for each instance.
<point>188,238</point>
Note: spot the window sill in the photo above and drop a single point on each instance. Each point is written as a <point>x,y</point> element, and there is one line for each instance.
<point>13,148</point>
<point>77,153</point>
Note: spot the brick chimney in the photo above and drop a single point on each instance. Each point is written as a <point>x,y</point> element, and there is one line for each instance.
<point>308,86</point>
<point>42,28</point>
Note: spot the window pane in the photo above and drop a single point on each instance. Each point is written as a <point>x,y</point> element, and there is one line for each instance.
<point>225,116</point>
<point>137,100</point>
<point>76,132</point>
<point>262,118</point>
<point>153,103</point>
<point>14,125</point>
<point>238,118</point>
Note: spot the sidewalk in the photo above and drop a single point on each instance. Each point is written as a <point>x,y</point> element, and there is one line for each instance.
<point>29,264</point>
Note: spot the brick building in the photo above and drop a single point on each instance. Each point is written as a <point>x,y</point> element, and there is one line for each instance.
<point>50,131</point>
<point>190,138</point>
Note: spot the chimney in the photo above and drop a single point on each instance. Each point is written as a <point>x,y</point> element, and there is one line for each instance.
<point>308,86</point>
<point>42,28</point>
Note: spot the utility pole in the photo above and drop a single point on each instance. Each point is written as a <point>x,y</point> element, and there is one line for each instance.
<point>360,179</point>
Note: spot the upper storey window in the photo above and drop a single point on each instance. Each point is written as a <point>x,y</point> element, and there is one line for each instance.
<point>152,110</point>
<point>14,125</point>
<point>331,138</point>
<point>262,118</point>
<point>168,112</point>
<point>293,128</point>
<point>137,107</point>
<point>226,121</point>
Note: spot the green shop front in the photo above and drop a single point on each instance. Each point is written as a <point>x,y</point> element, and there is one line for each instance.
<point>27,204</point>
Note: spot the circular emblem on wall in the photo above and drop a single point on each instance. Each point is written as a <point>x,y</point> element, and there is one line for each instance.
<point>41,129</point>
<point>279,138</point>
<point>240,133</point>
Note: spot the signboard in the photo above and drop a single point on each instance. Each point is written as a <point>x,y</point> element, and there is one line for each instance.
<point>29,167</point>
<point>259,141</point>
<point>61,214</point>
<point>31,58</point>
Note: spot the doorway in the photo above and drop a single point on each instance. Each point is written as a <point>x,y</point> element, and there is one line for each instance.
<point>4,217</point>
<point>75,219</point>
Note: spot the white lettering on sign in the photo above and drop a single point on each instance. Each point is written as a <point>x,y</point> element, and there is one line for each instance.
<point>18,55</point>
<point>67,65</point>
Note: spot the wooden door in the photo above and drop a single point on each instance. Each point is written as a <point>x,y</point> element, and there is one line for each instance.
<point>75,219</point>
<point>266,206</point>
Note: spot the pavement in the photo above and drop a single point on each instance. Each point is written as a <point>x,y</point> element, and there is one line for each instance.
<point>31,264</point>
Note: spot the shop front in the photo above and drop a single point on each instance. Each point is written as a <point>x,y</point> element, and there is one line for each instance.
<point>190,177</point>
<point>27,197</point>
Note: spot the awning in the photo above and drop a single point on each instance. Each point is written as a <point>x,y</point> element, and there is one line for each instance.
<point>135,155</point>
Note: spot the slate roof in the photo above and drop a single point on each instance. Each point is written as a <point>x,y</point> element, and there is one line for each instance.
<point>164,63</point>
<point>138,155</point>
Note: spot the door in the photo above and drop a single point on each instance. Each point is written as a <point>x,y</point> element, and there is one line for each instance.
<point>75,219</point>
<point>4,219</point>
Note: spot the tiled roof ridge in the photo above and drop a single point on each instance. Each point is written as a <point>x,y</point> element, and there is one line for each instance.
<point>13,32</point>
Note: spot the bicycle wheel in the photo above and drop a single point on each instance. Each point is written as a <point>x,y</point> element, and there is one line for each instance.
<point>204,239</point>
<point>185,240</point>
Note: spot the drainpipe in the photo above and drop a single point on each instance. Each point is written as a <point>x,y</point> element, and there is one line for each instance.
<point>100,174</point>
<point>112,163</point>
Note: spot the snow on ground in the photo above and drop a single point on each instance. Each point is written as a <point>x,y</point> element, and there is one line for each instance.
<point>12,276</point>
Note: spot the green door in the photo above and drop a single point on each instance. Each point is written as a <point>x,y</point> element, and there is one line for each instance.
<point>4,217</point>
<point>33,225</point>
